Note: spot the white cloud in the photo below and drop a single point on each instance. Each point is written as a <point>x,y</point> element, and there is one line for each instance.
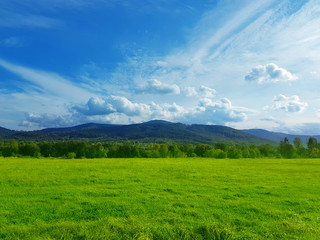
<point>107,106</point>
<point>219,112</point>
<point>201,92</point>
<point>112,104</point>
<point>170,112</point>
<point>288,104</point>
<point>207,111</point>
<point>190,91</point>
<point>46,120</point>
<point>50,83</point>
<point>120,110</point>
<point>12,19</point>
<point>206,92</point>
<point>221,35</point>
<point>95,106</point>
<point>270,73</point>
<point>156,87</point>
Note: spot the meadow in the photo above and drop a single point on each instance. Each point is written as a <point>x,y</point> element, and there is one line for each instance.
<point>182,198</point>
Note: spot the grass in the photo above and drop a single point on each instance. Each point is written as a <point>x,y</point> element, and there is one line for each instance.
<point>159,199</point>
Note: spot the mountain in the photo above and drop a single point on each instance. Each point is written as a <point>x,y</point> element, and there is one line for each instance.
<point>6,132</point>
<point>277,137</point>
<point>152,131</point>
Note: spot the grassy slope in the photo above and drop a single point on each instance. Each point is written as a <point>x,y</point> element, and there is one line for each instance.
<point>159,199</point>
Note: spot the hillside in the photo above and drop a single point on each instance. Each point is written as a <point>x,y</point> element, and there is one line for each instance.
<point>6,132</point>
<point>153,131</point>
<point>277,137</point>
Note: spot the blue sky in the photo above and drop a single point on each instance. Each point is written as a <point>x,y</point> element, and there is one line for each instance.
<point>243,64</point>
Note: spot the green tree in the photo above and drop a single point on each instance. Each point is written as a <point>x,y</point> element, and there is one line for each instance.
<point>315,153</point>
<point>286,150</point>
<point>10,149</point>
<point>267,150</point>
<point>29,149</point>
<point>46,149</point>
<point>297,142</point>
<point>175,151</point>
<point>312,143</point>
<point>163,150</point>
<point>201,149</point>
<point>71,155</point>
<point>215,153</point>
<point>298,145</point>
<point>234,152</point>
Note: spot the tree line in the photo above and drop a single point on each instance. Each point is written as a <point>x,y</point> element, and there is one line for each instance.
<point>83,149</point>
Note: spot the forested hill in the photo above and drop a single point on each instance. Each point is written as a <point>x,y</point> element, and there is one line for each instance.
<point>6,132</point>
<point>153,131</point>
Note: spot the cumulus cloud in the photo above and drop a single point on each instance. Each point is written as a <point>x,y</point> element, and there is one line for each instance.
<point>270,73</point>
<point>201,92</point>
<point>154,86</point>
<point>120,110</point>
<point>46,120</point>
<point>172,112</point>
<point>218,112</point>
<point>206,111</point>
<point>288,104</point>
<point>107,108</point>
<point>206,92</point>
<point>95,106</point>
<point>112,104</point>
<point>190,91</point>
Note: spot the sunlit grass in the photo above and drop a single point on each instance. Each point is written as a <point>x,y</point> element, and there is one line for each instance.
<point>159,199</point>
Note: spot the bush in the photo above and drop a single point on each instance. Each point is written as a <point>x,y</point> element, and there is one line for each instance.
<point>71,155</point>
<point>215,153</point>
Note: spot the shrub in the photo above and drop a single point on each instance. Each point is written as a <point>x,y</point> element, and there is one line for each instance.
<point>71,155</point>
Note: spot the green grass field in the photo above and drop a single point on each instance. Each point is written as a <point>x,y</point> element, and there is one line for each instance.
<point>159,199</point>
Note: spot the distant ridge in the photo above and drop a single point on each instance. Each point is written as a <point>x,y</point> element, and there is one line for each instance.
<point>277,137</point>
<point>152,131</point>
<point>6,132</point>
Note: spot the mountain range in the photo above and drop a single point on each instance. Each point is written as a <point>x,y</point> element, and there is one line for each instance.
<point>153,131</point>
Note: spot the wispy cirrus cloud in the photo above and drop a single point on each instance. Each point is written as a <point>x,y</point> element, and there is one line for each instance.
<point>199,59</point>
<point>11,42</point>
<point>14,19</point>
<point>50,83</point>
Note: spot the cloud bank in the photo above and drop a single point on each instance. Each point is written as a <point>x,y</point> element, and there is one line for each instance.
<point>46,120</point>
